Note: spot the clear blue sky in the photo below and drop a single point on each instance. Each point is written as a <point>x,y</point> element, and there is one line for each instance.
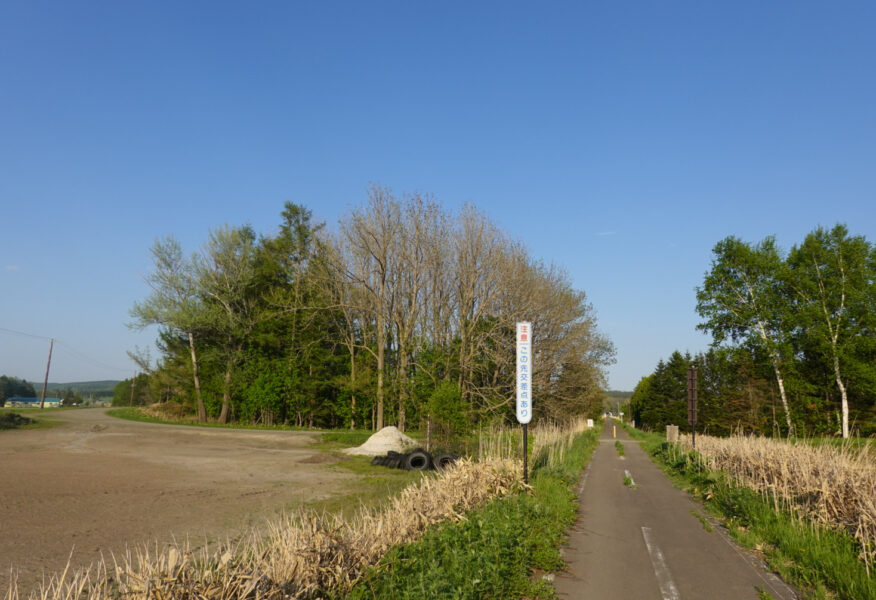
<point>621,140</point>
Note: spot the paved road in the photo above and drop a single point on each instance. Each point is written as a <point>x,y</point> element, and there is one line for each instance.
<point>645,543</point>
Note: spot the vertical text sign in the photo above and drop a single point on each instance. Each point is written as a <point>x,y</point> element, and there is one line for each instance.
<point>524,372</point>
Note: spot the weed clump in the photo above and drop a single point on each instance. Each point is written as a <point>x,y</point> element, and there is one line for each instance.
<point>13,421</point>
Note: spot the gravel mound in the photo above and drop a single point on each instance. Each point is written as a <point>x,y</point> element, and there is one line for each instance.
<point>388,438</point>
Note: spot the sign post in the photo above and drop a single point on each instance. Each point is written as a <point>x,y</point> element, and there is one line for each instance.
<point>692,403</point>
<point>524,387</point>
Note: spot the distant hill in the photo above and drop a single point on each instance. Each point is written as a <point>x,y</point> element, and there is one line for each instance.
<point>619,394</point>
<point>83,388</point>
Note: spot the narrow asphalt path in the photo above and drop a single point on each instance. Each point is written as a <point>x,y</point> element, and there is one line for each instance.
<point>646,542</point>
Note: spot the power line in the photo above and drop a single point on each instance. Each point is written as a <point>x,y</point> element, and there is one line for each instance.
<point>94,361</point>
<point>78,353</point>
<point>21,333</point>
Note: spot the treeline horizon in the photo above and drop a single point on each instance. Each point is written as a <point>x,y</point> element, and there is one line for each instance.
<point>794,342</point>
<point>404,314</point>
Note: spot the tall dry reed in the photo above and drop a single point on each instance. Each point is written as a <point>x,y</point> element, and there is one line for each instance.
<point>550,441</point>
<point>302,556</point>
<point>831,485</point>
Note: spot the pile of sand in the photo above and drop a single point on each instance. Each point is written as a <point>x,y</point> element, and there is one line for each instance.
<point>388,438</point>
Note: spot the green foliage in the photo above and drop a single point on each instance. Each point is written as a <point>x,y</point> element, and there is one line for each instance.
<point>10,420</point>
<point>480,559</point>
<point>13,421</point>
<point>804,553</point>
<point>390,320</point>
<point>703,521</point>
<point>133,392</point>
<point>795,329</point>
<point>493,552</point>
<point>346,438</point>
<point>448,411</point>
<point>136,414</point>
<point>12,387</point>
<point>102,389</point>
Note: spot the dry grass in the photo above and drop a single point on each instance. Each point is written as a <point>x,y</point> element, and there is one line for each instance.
<point>831,485</point>
<point>309,554</point>
<point>549,441</point>
<point>303,556</point>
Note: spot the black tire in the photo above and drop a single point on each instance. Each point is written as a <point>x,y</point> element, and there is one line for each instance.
<point>392,453</point>
<point>444,460</point>
<point>394,462</point>
<point>376,461</point>
<point>418,460</point>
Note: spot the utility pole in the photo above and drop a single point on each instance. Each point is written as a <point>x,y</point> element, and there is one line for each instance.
<point>133,385</point>
<point>46,380</point>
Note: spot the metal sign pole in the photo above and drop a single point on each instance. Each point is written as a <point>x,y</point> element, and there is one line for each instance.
<point>525,453</point>
<point>524,388</point>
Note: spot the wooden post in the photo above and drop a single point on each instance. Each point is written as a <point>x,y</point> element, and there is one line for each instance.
<point>46,380</point>
<point>692,403</point>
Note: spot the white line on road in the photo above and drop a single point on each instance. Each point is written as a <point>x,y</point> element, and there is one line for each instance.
<point>584,478</point>
<point>664,578</point>
<point>630,477</point>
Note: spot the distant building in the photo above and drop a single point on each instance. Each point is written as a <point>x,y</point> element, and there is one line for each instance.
<point>16,402</point>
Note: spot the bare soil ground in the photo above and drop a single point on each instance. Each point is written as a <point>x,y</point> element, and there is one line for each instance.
<point>97,484</point>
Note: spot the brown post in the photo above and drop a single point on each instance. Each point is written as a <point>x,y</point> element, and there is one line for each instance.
<point>692,403</point>
<point>46,380</point>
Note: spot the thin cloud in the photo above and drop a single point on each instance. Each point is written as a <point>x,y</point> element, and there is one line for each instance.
<point>11,268</point>
<point>605,233</point>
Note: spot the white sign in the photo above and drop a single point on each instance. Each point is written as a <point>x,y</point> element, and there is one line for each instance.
<point>524,372</point>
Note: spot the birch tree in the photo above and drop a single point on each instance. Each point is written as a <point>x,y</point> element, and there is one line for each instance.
<point>832,281</point>
<point>741,298</point>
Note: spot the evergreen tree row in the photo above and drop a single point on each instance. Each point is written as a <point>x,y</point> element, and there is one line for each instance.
<point>11,387</point>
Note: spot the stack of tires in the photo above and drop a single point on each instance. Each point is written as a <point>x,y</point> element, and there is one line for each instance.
<point>415,460</point>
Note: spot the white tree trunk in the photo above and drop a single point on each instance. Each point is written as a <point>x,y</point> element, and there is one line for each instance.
<point>779,380</point>
<point>845,398</point>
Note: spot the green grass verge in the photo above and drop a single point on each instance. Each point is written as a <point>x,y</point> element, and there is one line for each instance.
<point>132,413</point>
<point>373,487</point>
<point>10,420</point>
<point>495,551</point>
<point>329,439</point>
<point>822,562</point>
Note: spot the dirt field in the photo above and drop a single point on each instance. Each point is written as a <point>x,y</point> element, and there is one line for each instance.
<point>97,483</point>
